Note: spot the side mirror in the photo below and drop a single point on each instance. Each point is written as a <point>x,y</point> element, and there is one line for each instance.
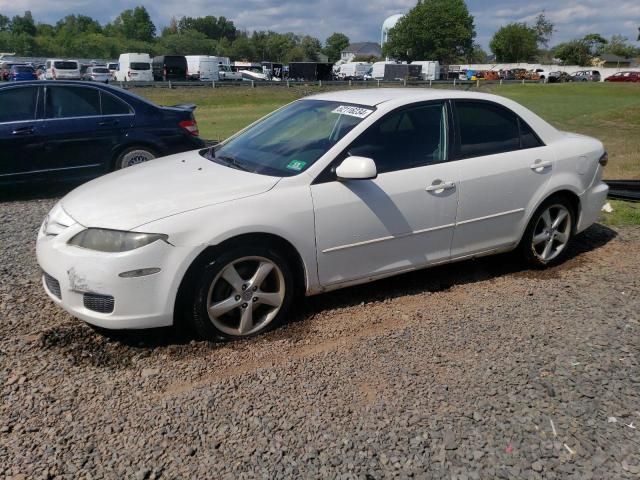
<point>357,168</point>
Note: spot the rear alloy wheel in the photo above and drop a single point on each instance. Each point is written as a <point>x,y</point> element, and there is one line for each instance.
<point>242,294</point>
<point>548,235</point>
<point>134,156</point>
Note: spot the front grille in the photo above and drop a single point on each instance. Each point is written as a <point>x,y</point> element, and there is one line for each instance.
<point>52,284</point>
<point>98,303</point>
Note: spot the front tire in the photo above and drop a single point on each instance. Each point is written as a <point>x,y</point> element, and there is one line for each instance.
<point>549,233</point>
<point>133,156</point>
<point>242,293</point>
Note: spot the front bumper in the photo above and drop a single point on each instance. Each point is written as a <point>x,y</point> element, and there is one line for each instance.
<point>591,202</point>
<point>138,302</point>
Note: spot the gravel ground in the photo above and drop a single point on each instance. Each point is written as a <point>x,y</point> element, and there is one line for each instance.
<point>472,371</point>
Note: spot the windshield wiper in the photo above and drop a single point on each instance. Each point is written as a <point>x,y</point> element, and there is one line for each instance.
<point>228,160</point>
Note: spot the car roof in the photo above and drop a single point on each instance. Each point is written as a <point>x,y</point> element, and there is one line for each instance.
<point>376,96</point>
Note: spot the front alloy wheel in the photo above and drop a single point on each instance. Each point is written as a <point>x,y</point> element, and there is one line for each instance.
<point>242,293</point>
<point>246,296</point>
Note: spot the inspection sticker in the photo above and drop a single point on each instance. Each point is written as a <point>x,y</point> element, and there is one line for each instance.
<point>296,165</point>
<point>352,111</point>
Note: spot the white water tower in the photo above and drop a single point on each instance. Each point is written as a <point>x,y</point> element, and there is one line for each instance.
<point>387,25</point>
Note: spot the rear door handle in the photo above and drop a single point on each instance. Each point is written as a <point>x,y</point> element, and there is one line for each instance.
<point>23,131</point>
<point>440,187</point>
<point>108,123</point>
<point>539,165</point>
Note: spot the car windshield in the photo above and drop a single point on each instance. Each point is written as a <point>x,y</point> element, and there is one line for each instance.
<point>100,70</point>
<point>65,65</point>
<point>23,69</point>
<point>291,139</point>
<point>140,66</point>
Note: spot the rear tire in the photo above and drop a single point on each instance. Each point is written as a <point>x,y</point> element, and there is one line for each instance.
<point>133,156</point>
<point>241,293</point>
<point>549,233</point>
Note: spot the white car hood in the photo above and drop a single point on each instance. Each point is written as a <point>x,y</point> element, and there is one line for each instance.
<point>129,198</point>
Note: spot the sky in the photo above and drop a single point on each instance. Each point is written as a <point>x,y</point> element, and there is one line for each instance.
<point>360,21</point>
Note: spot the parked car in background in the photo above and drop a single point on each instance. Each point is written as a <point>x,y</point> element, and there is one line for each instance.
<point>169,67</point>
<point>558,77</point>
<point>585,76</point>
<point>624,77</point>
<point>22,72</point>
<point>5,68</point>
<point>507,75</point>
<point>113,68</point>
<point>227,72</point>
<point>97,74</point>
<point>135,67</point>
<point>57,69</point>
<point>543,75</point>
<point>75,130</point>
<point>333,190</point>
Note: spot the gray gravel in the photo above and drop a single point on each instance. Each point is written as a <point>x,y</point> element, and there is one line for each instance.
<point>472,371</point>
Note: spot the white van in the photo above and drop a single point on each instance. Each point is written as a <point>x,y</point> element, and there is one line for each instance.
<point>134,67</point>
<point>430,69</point>
<point>377,70</point>
<point>58,69</point>
<point>353,70</point>
<point>202,67</point>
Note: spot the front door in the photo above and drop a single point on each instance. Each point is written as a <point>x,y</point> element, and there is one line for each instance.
<point>401,220</point>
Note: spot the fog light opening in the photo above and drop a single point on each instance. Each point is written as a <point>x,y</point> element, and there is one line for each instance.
<point>140,272</point>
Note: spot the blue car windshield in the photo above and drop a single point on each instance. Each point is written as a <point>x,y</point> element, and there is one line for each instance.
<point>291,139</point>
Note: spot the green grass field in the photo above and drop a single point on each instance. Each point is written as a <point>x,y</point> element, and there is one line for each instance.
<point>606,111</point>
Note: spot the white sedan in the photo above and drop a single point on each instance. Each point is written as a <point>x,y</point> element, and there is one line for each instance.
<point>329,191</point>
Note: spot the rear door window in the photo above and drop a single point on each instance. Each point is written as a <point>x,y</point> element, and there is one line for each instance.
<point>140,66</point>
<point>65,65</point>
<point>69,102</point>
<point>18,104</point>
<point>486,129</point>
<point>112,105</point>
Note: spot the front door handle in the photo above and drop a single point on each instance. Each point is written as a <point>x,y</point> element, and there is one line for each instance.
<point>539,165</point>
<point>440,186</point>
<point>23,131</point>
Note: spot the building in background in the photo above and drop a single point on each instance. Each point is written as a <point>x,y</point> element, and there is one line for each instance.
<point>360,49</point>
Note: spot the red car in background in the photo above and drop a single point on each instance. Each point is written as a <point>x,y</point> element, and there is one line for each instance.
<point>624,77</point>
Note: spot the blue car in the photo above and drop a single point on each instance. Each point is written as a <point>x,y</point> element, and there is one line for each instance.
<point>19,73</point>
<point>71,130</point>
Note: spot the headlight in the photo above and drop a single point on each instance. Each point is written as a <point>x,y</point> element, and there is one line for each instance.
<point>104,240</point>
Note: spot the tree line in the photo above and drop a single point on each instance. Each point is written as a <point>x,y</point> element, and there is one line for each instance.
<point>133,31</point>
<point>441,30</point>
<point>444,30</point>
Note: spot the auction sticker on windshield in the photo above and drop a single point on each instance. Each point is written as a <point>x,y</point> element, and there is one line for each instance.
<point>352,111</point>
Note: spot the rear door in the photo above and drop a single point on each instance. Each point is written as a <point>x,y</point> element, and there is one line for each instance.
<point>502,166</point>
<point>21,135</point>
<point>79,139</point>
